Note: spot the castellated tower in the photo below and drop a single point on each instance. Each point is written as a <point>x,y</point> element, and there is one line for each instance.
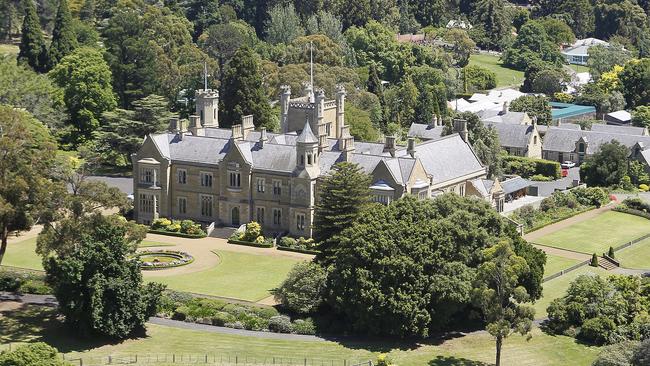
<point>207,107</point>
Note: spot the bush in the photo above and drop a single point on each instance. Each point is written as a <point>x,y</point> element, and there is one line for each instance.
<point>221,318</point>
<point>253,232</point>
<point>592,196</point>
<point>27,283</point>
<point>594,260</point>
<point>479,78</point>
<point>280,324</point>
<point>527,167</point>
<point>188,227</point>
<point>160,224</point>
<point>32,286</point>
<point>610,252</point>
<point>287,242</point>
<point>304,326</point>
<point>597,330</point>
<point>541,178</point>
<point>181,313</point>
<point>34,354</point>
<point>302,291</point>
<point>643,187</point>
<point>636,203</point>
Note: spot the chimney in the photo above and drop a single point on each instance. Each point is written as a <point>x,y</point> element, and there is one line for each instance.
<point>285,98</point>
<point>464,134</point>
<point>389,145</point>
<point>173,124</point>
<point>247,125</point>
<point>340,109</point>
<point>410,149</point>
<point>195,127</point>
<point>263,137</point>
<point>237,132</point>
<point>182,128</point>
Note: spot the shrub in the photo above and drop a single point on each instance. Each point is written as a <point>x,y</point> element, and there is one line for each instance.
<point>253,231</point>
<point>479,78</point>
<point>288,242</point>
<point>174,227</point>
<point>9,281</point>
<point>221,318</point>
<point>597,330</point>
<point>643,187</point>
<point>280,324</point>
<point>636,203</point>
<point>527,167</point>
<point>302,291</point>
<point>619,354</point>
<point>592,196</point>
<point>541,178</point>
<point>32,286</point>
<point>259,240</point>
<point>304,326</point>
<point>252,322</point>
<point>594,260</point>
<point>181,313</point>
<point>34,354</point>
<point>642,353</point>
<point>610,252</point>
<point>160,224</point>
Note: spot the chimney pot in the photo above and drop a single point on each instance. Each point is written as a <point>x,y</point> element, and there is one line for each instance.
<point>411,146</point>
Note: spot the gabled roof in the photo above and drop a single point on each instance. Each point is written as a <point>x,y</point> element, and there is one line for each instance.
<point>512,135</point>
<point>622,116</point>
<point>425,132</point>
<point>513,118</point>
<point>564,140</point>
<point>514,184</point>
<point>447,158</point>
<point>627,130</point>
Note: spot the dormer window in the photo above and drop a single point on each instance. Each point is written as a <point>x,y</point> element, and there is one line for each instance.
<point>581,147</point>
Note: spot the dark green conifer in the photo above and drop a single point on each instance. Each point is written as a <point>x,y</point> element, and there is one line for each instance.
<point>32,45</point>
<point>64,40</point>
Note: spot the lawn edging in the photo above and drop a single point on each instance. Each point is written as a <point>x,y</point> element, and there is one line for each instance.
<point>556,220</point>
<point>298,250</point>
<point>631,211</point>
<point>173,233</point>
<point>249,244</point>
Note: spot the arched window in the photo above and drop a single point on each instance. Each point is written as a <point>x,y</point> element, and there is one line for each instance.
<point>581,147</point>
<point>302,160</point>
<point>309,159</point>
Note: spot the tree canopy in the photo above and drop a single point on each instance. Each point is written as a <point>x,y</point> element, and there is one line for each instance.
<point>607,167</point>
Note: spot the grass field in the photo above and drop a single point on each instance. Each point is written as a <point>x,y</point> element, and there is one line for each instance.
<point>36,324</point>
<point>557,288</point>
<point>579,68</point>
<point>555,264</point>
<point>505,76</point>
<point>239,275</point>
<point>636,256</point>
<point>8,49</point>
<point>23,253</point>
<point>598,234</point>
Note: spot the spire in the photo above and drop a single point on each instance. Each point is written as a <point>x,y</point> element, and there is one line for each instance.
<point>307,136</point>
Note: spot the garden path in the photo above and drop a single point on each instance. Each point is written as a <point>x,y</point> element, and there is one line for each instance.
<point>204,258</point>
<point>563,253</point>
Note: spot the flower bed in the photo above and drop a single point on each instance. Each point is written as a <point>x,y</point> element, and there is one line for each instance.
<point>184,307</point>
<point>251,237</point>
<point>300,245</point>
<point>184,228</point>
<point>162,259</point>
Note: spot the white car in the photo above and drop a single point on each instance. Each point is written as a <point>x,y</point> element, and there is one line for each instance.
<point>568,164</point>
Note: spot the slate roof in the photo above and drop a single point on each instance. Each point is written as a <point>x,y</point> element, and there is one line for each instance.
<point>306,136</point>
<point>564,140</point>
<point>425,132</point>
<point>620,116</point>
<point>513,118</point>
<point>627,130</point>
<point>581,46</point>
<point>512,135</point>
<point>514,184</point>
<point>447,158</point>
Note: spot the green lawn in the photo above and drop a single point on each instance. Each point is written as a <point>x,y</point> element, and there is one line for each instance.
<point>636,256</point>
<point>505,76</point>
<point>555,264</point>
<point>239,275</point>
<point>579,68</point>
<point>36,324</point>
<point>598,234</point>
<point>23,253</point>
<point>8,49</point>
<point>557,288</point>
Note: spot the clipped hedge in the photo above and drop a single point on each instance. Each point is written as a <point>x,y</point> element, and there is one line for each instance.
<point>298,250</point>
<point>250,244</point>
<point>528,167</point>
<point>180,235</point>
<point>23,282</point>
<point>632,211</point>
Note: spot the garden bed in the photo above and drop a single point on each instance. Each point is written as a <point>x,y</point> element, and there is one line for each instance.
<point>298,250</point>
<point>184,229</point>
<point>180,235</point>
<point>162,259</point>
<point>250,244</point>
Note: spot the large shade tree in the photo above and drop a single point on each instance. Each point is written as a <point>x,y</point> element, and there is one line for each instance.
<point>607,167</point>
<point>26,162</point>
<point>408,268</point>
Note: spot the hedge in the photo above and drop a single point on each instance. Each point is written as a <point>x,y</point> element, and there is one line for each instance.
<point>527,167</point>
<point>298,250</point>
<point>173,233</point>
<point>26,282</point>
<point>249,244</point>
<point>632,211</point>
<point>558,219</point>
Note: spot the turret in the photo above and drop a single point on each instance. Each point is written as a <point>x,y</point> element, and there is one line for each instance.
<point>207,107</point>
<point>307,151</point>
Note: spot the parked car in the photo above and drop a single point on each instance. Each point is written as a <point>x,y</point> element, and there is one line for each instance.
<point>568,164</point>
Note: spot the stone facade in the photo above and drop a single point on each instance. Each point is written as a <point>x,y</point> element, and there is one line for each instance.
<point>234,176</point>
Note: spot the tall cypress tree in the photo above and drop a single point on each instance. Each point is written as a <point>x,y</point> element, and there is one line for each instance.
<point>32,45</point>
<point>64,40</point>
<point>243,91</point>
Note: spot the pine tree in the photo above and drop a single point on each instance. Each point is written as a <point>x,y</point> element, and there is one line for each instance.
<point>87,11</point>
<point>32,45</point>
<point>374,84</point>
<point>64,40</point>
<point>243,91</point>
<point>344,195</point>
